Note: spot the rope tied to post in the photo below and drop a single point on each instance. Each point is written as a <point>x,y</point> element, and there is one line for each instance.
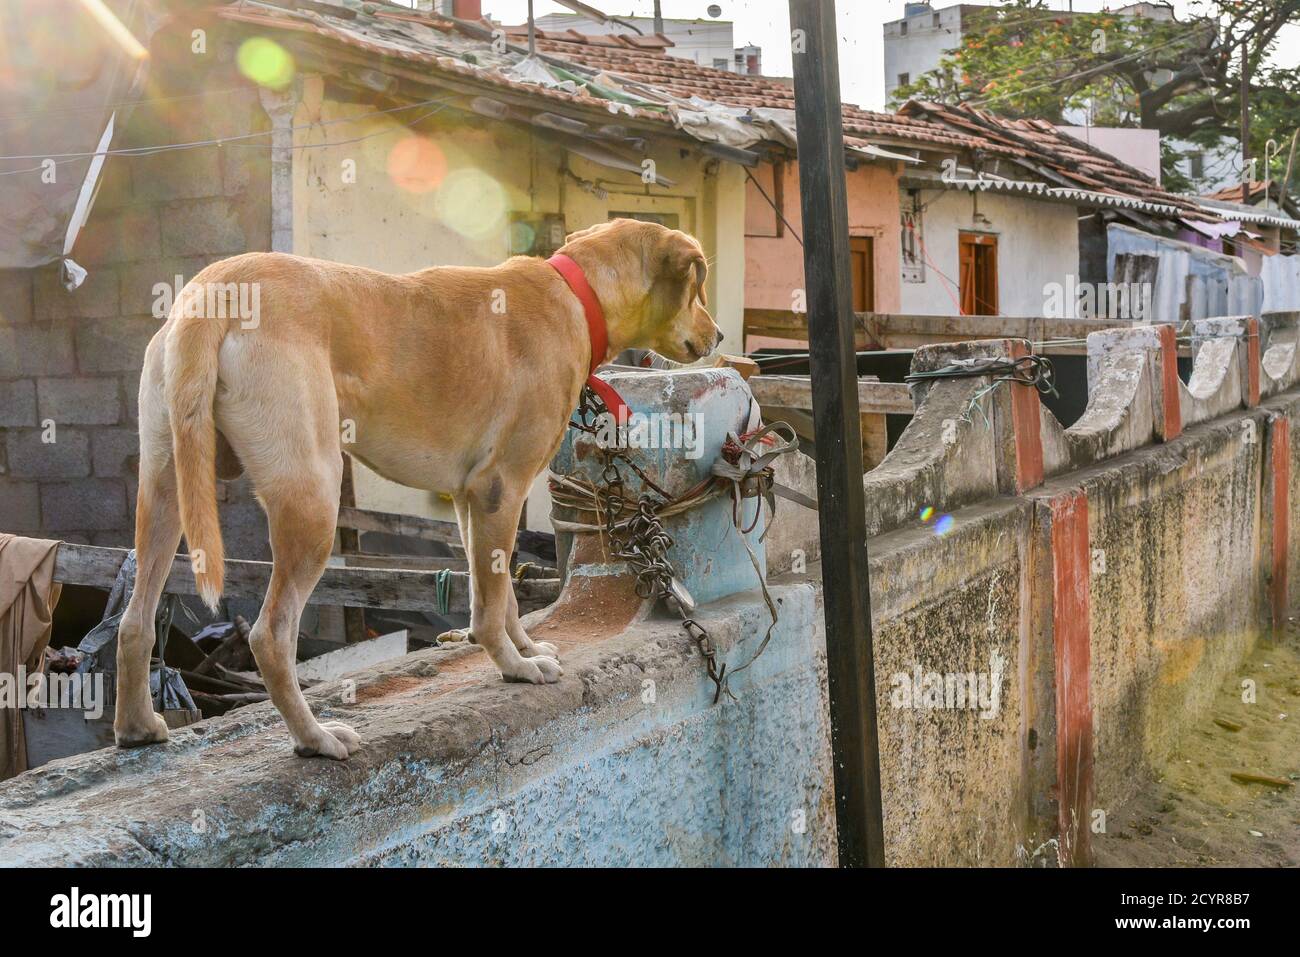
<point>1031,370</point>
<point>634,529</point>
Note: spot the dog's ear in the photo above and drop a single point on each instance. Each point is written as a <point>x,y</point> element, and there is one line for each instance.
<point>684,260</point>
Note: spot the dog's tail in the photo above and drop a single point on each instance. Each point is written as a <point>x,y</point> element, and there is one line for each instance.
<point>191,356</point>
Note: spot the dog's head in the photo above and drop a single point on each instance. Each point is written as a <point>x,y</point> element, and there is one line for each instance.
<point>650,282</point>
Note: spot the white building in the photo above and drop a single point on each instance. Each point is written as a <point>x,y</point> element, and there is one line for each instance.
<point>915,44</point>
<point>704,42</point>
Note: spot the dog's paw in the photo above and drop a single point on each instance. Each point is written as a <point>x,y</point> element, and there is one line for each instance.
<point>334,740</point>
<point>538,670</point>
<point>456,634</point>
<point>135,733</point>
<point>541,649</point>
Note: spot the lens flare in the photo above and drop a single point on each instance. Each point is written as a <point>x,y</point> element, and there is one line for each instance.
<point>522,237</point>
<point>944,525</point>
<point>115,29</point>
<point>472,203</point>
<point>265,62</point>
<point>927,513</point>
<point>417,164</point>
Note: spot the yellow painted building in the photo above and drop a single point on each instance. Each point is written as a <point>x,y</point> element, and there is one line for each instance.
<point>470,191</point>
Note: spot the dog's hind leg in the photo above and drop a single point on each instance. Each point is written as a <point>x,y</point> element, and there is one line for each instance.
<point>493,521</point>
<point>157,534</point>
<point>281,417</point>
<point>302,520</point>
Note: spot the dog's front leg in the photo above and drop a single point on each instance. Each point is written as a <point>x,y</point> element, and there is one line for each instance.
<point>493,520</point>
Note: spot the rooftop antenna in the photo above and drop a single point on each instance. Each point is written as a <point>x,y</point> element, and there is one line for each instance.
<point>532,31</point>
<point>659,18</point>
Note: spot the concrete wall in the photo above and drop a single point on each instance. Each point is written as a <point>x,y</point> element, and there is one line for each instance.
<point>1143,554</point>
<point>70,361</point>
<point>1038,245</point>
<point>1092,586</point>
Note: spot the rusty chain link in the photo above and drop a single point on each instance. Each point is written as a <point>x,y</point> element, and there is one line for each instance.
<point>641,541</point>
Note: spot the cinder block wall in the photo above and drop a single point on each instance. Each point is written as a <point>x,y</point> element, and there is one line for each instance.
<point>70,361</point>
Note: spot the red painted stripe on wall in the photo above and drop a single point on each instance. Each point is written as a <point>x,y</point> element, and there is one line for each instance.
<point>1026,423</point>
<point>1169,384</point>
<point>1071,577</point>
<point>1252,362</point>
<point>1280,467</point>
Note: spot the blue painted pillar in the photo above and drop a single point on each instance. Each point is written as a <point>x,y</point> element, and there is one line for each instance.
<point>679,422</point>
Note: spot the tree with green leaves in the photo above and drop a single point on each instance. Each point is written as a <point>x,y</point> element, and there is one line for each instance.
<point>1180,77</point>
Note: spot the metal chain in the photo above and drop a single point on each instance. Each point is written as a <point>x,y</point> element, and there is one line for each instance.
<point>641,541</point>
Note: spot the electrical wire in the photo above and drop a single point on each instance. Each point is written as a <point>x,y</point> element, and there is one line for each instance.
<point>236,141</point>
<point>775,208</point>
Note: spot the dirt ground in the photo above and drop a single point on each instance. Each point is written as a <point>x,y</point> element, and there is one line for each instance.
<point>1193,814</point>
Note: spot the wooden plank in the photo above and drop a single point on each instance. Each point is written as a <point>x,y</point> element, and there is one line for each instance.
<point>785,324</point>
<point>795,392</point>
<point>899,331</point>
<point>541,544</point>
<point>354,619</point>
<point>427,563</point>
<point>410,526</point>
<point>850,658</point>
<point>399,590</point>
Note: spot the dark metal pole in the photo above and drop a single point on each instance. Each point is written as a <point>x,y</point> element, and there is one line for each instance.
<point>1245,123</point>
<point>841,505</point>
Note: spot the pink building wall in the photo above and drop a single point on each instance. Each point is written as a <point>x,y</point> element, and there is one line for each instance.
<point>774,266</point>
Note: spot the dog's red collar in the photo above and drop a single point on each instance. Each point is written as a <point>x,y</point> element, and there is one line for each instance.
<point>573,275</point>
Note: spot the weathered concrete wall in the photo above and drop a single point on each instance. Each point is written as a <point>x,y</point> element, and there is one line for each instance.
<point>70,361</point>
<point>1050,607</point>
<point>1124,589</point>
<point>624,762</point>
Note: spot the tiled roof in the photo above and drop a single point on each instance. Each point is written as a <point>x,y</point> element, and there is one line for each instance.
<point>431,43</point>
<point>656,80</point>
<point>643,60</point>
<point>633,76</point>
<point>1041,146</point>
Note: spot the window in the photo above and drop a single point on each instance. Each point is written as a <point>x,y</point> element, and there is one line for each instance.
<point>904,79</point>
<point>863,263</point>
<point>721,64</point>
<point>902,28</point>
<point>936,23</point>
<point>1196,165</point>
<point>977,259</point>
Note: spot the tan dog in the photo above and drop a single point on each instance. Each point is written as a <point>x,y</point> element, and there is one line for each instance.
<point>446,394</point>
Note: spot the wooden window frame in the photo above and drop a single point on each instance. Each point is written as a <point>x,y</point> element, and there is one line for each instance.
<point>978,278</point>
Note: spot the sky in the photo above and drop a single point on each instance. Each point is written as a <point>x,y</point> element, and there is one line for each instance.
<point>767,24</point>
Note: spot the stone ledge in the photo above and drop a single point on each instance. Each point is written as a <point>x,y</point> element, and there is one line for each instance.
<point>458,767</point>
